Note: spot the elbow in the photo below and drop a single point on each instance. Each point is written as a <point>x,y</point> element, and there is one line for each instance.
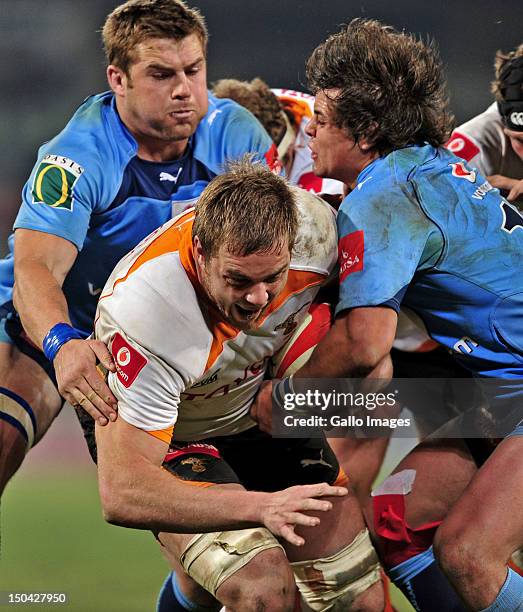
<point>115,510</point>
<point>370,361</point>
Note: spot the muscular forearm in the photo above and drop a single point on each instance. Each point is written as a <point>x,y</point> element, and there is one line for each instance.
<point>38,299</point>
<point>356,346</point>
<point>145,496</point>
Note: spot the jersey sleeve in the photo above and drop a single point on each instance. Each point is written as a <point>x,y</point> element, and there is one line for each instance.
<point>146,387</point>
<point>247,135</point>
<point>157,337</point>
<point>382,237</point>
<point>60,195</point>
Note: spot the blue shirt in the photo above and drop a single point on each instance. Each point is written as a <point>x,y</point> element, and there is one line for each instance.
<point>423,229</point>
<point>89,187</point>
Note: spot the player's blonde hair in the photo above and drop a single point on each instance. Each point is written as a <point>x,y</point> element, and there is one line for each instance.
<point>249,209</point>
<point>138,20</point>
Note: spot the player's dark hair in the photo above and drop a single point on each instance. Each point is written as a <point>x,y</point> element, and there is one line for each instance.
<point>392,90</point>
<point>249,209</point>
<point>256,97</point>
<point>137,20</point>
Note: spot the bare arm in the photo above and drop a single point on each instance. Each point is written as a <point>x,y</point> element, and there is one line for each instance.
<point>357,345</point>
<point>136,492</point>
<point>42,262</point>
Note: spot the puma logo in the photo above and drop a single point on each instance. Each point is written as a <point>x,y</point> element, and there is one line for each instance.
<point>165,176</point>
<point>320,461</point>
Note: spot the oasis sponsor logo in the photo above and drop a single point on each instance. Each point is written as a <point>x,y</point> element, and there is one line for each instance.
<point>350,253</point>
<point>462,146</point>
<point>459,170</point>
<point>128,360</point>
<point>54,182</point>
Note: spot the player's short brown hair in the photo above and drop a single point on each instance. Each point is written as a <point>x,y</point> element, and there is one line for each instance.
<point>256,97</point>
<point>391,86</point>
<point>499,62</point>
<point>137,20</point>
<point>248,209</point>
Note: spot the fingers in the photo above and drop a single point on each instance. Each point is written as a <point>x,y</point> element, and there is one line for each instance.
<point>322,490</point>
<point>102,353</point>
<point>310,503</point>
<point>85,397</point>
<point>515,192</point>
<point>80,382</point>
<point>296,518</point>
<point>287,533</point>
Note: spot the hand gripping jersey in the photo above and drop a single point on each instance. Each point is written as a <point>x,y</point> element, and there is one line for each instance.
<point>482,142</point>
<point>301,105</point>
<point>89,187</point>
<point>423,229</point>
<point>178,363</point>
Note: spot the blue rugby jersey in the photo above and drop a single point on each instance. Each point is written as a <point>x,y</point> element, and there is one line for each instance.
<point>89,187</point>
<point>424,230</point>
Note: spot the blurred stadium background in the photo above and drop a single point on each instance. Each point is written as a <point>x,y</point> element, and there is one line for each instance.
<point>53,538</point>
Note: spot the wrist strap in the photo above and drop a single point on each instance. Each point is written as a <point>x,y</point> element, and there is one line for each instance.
<point>56,337</point>
<point>280,390</point>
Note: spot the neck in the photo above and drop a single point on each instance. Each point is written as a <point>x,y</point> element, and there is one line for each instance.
<point>152,149</point>
<point>351,179</point>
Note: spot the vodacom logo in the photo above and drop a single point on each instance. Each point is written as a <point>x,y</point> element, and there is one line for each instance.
<point>123,356</point>
<point>516,118</point>
<point>456,145</point>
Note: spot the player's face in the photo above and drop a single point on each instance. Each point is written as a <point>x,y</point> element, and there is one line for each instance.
<point>334,153</point>
<point>164,96</point>
<point>243,287</point>
<point>516,140</point>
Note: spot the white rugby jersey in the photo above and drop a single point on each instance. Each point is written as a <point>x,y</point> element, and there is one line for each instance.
<point>301,105</point>
<point>482,142</point>
<point>178,363</point>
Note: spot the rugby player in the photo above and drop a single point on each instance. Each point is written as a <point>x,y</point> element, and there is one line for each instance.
<point>492,142</point>
<point>192,317</point>
<point>420,228</point>
<point>284,113</point>
<point>127,161</point>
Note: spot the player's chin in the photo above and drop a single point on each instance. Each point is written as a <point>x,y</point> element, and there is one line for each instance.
<point>243,318</point>
<point>180,131</point>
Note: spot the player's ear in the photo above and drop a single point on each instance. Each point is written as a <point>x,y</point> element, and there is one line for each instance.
<point>199,253</point>
<point>117,79</point>
<point>367,142</point>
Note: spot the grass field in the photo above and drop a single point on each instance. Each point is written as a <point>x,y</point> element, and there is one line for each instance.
<point>53,538</point>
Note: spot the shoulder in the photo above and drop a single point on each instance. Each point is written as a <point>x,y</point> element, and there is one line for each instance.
<point>228,131</point>
<point>92,147</point>
<point>158,308</point>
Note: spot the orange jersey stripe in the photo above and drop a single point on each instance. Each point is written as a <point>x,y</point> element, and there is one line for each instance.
<point>297,281</point>
<point>342,480</point>
<point>164,435</point>
<point>177,238</point>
